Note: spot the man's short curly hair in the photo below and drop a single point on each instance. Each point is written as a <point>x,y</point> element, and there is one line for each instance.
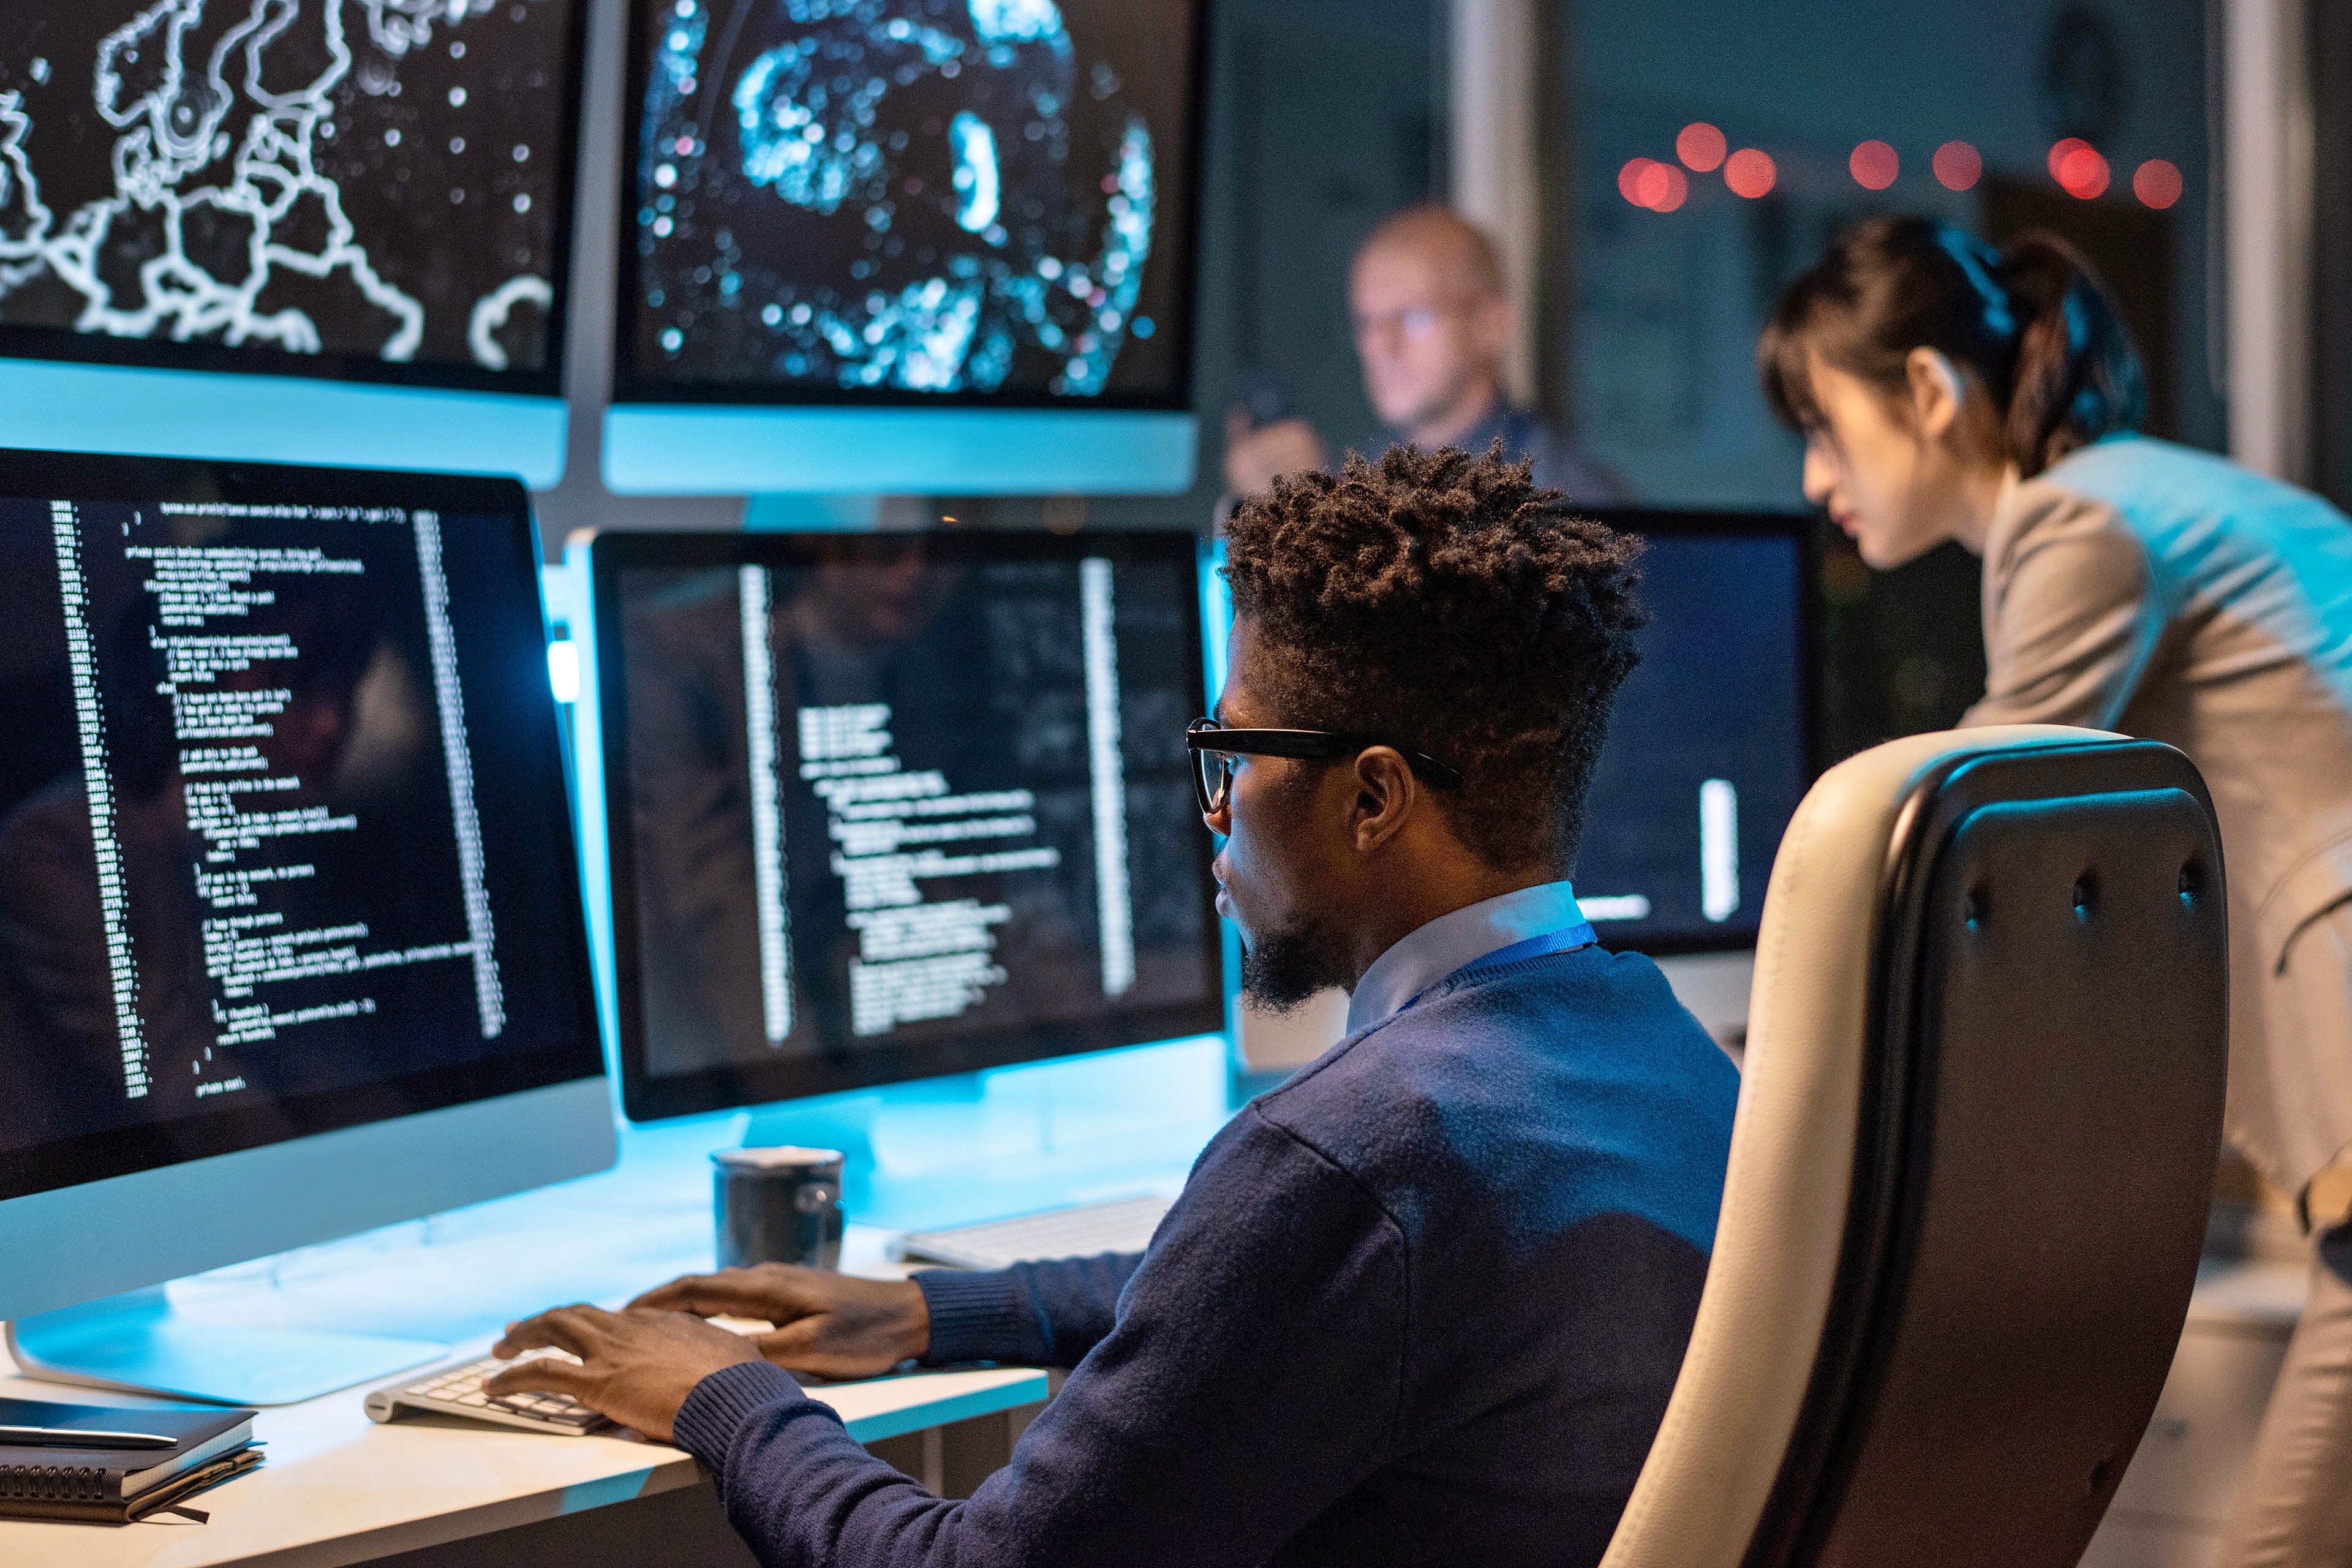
<point>1442,602</point>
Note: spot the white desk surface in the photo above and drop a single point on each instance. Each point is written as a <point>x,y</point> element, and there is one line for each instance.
<point>337,1488</point>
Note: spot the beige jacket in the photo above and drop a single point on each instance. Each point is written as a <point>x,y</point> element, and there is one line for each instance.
<point>2150,589</point>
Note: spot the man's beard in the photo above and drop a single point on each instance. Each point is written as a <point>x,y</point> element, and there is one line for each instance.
<point>1281,968</point>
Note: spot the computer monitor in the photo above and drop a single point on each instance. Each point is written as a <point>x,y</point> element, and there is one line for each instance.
<point>1711,745</point>
<point>302,231</point>
<point>290,934</point>
<point>1712,739</point>
<point>926,246</point>
<point>892,806</point>
<point>1902,650</point>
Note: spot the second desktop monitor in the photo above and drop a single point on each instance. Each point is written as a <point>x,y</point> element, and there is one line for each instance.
<point>888,807</point>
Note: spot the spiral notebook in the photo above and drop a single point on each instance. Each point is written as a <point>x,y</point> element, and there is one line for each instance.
<point>67,1480</point>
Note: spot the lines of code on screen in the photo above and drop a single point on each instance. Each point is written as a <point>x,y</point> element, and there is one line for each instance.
<point>889,800</point>
<point>258,869</point>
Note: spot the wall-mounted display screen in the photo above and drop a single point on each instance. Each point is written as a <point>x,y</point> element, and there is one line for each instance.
<point>370,189</point>
<point>910,200</point>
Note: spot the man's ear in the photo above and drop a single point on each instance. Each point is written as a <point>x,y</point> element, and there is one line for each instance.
<point>1386,796</point>
<point>1938,391</point>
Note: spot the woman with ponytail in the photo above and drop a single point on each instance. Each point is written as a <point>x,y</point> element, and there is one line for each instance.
<point>1946,391</point>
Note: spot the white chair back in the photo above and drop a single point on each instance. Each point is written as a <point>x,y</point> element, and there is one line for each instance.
<point>1979,1110</point>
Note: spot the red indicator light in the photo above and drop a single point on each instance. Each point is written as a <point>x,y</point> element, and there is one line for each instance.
<point>1628,179</point>
<point>2061,150</point>
<point>2157,183</point>
<point>1874,165</point>
<point>1957,165</point>
<point>1750,173</point>
<point>1701,147</point>
<point>1646,183</point>
<point>2083,173</point>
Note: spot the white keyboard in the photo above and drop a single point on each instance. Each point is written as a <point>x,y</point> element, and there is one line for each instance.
<point>457,1390</point>
<point>1086,1231</point>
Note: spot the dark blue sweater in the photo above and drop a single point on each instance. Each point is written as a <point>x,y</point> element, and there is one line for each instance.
<point>1423,1303</point>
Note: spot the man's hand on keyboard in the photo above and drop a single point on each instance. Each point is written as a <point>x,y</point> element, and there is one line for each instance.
<point>636,1367</point>
<point>826,1325</point>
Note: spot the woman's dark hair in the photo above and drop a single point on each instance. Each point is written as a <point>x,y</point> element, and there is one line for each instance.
<point>2032,322</point>
<point>1445,602</point>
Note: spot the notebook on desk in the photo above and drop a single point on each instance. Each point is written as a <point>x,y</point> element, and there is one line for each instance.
<point>133,1460</point>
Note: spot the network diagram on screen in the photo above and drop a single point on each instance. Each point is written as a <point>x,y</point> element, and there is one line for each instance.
<point>371,179</point>
<point>934,196</point>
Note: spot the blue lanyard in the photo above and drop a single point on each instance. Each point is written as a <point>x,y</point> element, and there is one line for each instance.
<point>1568,939</point>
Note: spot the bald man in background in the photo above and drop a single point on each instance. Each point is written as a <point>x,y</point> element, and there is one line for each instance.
<point>1432,322</point>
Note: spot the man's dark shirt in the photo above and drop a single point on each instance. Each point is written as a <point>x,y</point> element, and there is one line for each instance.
<point>1559,465</point>
<point>1423,1304</point>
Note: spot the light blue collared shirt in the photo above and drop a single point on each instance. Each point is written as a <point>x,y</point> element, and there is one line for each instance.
<point>1422,957</point>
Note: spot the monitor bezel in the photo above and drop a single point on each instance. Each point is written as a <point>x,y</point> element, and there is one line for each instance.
<point>63,345</point>
<point>1802,528</point>
<point>645,1096</point>
<point>98,1156</point>
<point>631,385</point>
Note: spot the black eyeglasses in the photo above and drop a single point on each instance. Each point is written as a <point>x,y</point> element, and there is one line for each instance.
<point>1214,748</point>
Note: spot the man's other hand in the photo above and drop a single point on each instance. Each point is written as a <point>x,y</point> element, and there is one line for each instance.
<point>635,1367</point>
<point>826,1325</point>
<point>1254,456</point>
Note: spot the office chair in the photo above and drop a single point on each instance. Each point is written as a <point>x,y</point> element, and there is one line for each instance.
<point>1971,1164</point>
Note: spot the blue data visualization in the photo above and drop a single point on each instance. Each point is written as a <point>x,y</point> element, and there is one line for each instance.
<point>370,188</point>
<point>935,198</point>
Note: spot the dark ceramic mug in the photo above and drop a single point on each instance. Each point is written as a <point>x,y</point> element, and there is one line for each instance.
<point>778,1204</point>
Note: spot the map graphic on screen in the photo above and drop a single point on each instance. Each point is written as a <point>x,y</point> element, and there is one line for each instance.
<point>979,197</point>
<point>377,180</point>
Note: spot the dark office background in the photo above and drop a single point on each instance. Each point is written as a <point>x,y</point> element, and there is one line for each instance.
<point>1325,115</point>
<point>1329,113</point>
<point>2331,294</point>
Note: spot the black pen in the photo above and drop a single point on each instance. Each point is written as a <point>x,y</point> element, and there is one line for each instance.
<point>80,1437</point>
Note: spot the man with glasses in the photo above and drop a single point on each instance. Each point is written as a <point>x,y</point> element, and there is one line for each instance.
<point>1432,323</point>
<point>1423,1304</point>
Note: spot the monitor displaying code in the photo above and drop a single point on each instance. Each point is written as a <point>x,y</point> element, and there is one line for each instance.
<point>909,199</point>
<point>1709,747</point>
<point>384,184</point>
<point>892,798</point>
<point>281,822</point>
